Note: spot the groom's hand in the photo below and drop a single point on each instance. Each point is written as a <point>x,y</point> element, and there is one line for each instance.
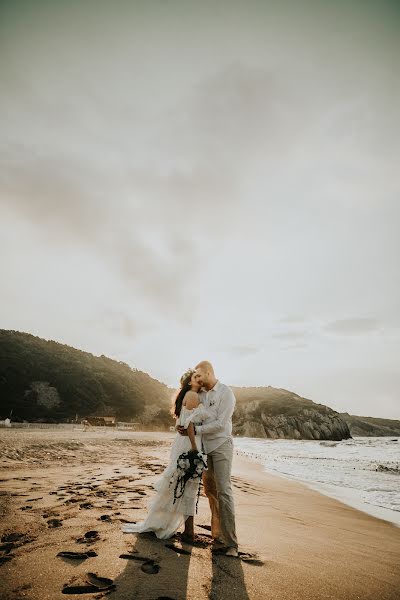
<point>182,430</point>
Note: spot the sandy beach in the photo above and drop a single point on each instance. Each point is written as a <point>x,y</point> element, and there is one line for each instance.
<point>70,491</point>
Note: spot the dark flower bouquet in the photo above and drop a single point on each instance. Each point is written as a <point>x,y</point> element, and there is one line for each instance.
<point>190,465</point>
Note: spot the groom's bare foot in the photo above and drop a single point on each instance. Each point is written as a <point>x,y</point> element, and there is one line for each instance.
<point>232,552</point>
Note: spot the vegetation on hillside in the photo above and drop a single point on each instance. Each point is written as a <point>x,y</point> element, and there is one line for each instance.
<point>48,381</point>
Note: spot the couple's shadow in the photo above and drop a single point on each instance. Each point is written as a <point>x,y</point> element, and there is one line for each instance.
<point>227,579</point>
<point>157,572</point>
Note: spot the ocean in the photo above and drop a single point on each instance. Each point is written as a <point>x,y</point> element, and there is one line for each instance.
<point>363,472</point>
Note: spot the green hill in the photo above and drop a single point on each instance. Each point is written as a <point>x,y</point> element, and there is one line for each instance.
<point>43,380</point>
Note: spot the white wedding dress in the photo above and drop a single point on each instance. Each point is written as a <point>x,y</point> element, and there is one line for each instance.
<point>164,516</point>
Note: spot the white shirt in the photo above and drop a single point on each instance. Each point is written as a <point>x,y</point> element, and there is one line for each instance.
<point>220,401</point>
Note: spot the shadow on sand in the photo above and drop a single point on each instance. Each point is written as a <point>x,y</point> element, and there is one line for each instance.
<point>158,572</point>
<point>155,572</point>
<point>227,579</point>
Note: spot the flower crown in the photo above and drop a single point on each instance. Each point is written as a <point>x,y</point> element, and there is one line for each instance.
<point>187,375</point>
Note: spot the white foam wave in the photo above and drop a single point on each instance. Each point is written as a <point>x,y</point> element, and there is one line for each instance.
<point>362,472</point>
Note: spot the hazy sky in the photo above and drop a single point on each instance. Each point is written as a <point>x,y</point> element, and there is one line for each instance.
<point>208,180</point>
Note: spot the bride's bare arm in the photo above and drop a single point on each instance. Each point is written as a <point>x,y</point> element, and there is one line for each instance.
<point>191,400</point>
<point>191,435</point>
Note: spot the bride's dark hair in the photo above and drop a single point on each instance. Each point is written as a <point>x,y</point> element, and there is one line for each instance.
<point>185,387</point>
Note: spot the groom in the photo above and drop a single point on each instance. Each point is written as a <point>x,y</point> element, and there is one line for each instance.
<point>216,433</point>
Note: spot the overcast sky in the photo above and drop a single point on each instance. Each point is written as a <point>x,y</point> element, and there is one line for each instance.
<point>197,180</point>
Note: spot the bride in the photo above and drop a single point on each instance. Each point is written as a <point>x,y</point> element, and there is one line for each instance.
<point>167,512</point>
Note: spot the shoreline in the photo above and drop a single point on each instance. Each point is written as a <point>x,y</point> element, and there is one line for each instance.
<point>299,542</point>
<point>339,493</point>
<point>343,491</point>
<point>255,470</point>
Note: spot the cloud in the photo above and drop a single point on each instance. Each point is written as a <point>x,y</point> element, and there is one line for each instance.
<point>120,323</point>
<point>290,335</point>
<point>241,106</point>
<point>292,319</point>
<point>243,351</point>
<point>52,191</point>
<point>71,204</point>
<point>294,346</point>
<point>354,326</point>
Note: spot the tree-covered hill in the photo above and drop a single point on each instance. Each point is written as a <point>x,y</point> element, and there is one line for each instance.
<point>49,381</point>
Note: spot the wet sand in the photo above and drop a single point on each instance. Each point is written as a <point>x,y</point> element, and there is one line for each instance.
<point>70,491</point>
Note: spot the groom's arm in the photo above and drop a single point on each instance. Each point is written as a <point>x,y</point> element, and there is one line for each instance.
<point>224,414</point>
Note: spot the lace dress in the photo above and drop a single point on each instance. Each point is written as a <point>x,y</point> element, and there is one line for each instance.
<point>164,516</point>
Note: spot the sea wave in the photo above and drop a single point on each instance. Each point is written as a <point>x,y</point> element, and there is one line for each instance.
<point>361,470</point>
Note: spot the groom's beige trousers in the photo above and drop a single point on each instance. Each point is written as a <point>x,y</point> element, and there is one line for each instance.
<point>218,488</point>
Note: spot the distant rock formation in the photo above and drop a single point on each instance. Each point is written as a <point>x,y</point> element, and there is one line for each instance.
<point>276,413</point>
<point>371,426</point>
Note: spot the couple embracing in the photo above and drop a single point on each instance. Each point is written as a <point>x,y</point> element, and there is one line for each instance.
<point>202,448</point>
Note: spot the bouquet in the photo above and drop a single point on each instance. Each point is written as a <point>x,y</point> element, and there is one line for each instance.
<point>190,465</point>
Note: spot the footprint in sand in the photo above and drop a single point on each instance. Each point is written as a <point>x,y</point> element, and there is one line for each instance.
<point>72,500</point>
<point>15,537</point>
<point>52,523</point>
<point>7,547</point>
<point>88,584</point>
<point>134,556</point>
<point>50,513</point>
<point>252,559</point>
<point>20,591</point>
<point>77,555</point>
<point>11,541</point>
<point>89,537</point>
<point>100,582</point>
<point>150,567</point>
<point>101,493</point>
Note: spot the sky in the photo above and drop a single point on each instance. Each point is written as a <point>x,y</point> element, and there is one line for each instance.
<point>182,181</point>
